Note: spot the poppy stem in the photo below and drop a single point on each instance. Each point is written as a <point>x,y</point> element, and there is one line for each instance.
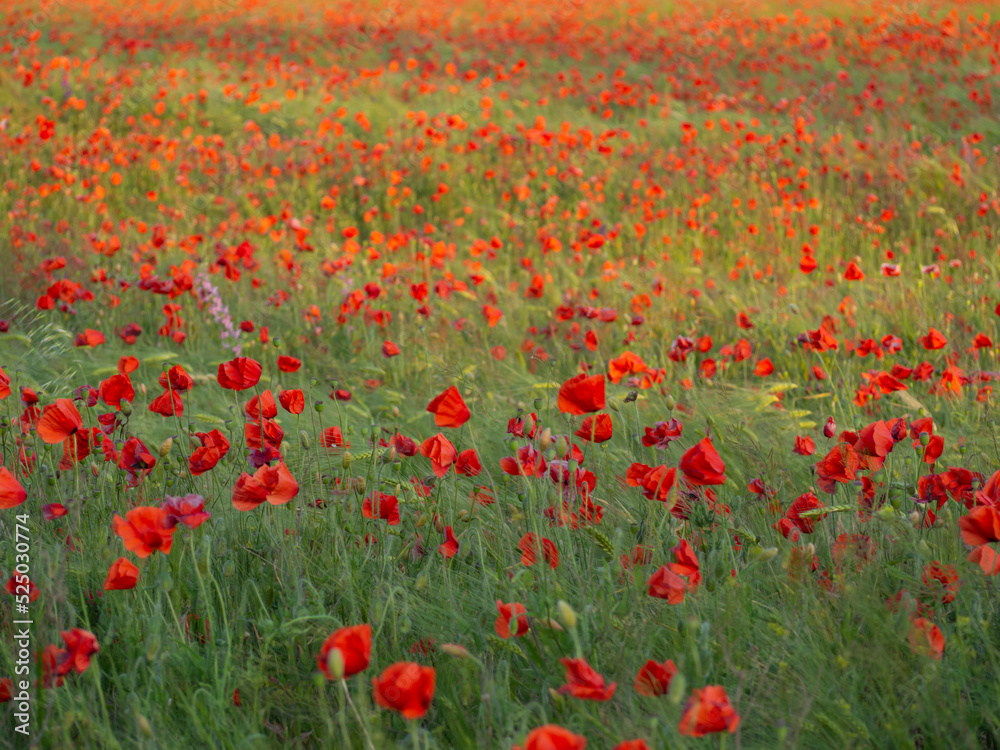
<point>354,709</point>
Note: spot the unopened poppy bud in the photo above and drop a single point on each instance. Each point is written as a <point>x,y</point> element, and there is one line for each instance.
<point>562,445</point>
<point>229,569</point>
<point>556,698</point>
<point>925,438</point>
<point>793,309</point>
<point>914,516</point>
<point>335,663</point>
<point>631,397</point>
<point>144,726</point>
<point>671,403</point>
<point>304,440</point>
<point>347,458</point>
<point>566,614</point>
<point>167,583</point>
<point>614,404</point>
<point>152,645</point>
<point>126,408</point>
<point>142,390</point>
<point>165,447</point>
<point>421,520</point>
<point>395,412</point>
<point>360,485</point>
<point>766,554</point>
<point>810,550</point>
<point>677,690</point>
<point>830,428</point>
<point>692,624</point>
<point>537,404</point>
<point>453,649</point>
<point>463,514</point>
<point>545,440</point>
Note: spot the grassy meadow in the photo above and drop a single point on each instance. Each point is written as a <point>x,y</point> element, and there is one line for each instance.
<point>565,374</point>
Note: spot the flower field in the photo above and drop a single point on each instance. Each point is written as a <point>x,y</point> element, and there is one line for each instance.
<point>557,375</point>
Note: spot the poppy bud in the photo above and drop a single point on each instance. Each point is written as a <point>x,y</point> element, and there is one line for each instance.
<point>304,440</point>
<point>229,569</point>
<point>167,583</point>
<point>810,550</point>
<point>830,428</point>
<point>395,412</point>
<point>360,485</point>
<point>615,405</point>
<point>557,700</point>
<point>347,458</point>
<point>914,516</point>
<point>677,690</point>
<point>567,614</point>
<point>126,408</point>
<point>335,663</point>
<point>142,390</point>
<point>165,447</point>
<point>793,309</point>
<point>144,726</point>
<point>562,445</point>
<point>152,645</point>
<point>545,441</point>
<point>453,649</point>
<point>766,554</point>
<point>631,397</point>
<point>693,625</point>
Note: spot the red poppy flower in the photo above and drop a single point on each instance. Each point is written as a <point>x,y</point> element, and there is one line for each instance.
<point>355,646</point>
<point>805,502</point>
<point>510,615</point>
<point>389,349</point>
<point>188,510</point>
<point>59,420</point>
<point>582,681</point>
<point>449,409</point>
<point>167,404</point>
<point>52,511</point>
<point>926,639</point>
<point>4,384</point>
<point>136,460</point>
<point>89,337</point>
<point>275,484</point>
<point>289,364</point>
<point>176,379</point>
<point>839,466</point>
<point>702,465</point>
<point>341,395</point>
<point>853,273</point>
<point>80,646</point>
<point>549,551</point>
<point>294,401</point>
<point>662,434</point>
<point>986,558</point>
<point>686,564</point>
<point>6,689</point>
<point>981,525</point>
<point>656,483</point>
<point>595,429</point>
<point>122,575</point>
<point>764,367</point>
<point>552,737</point>
<point>15,586</point>
<point>450,547</point>
<point>388,508</point>
<point>116,389</point>
<point>934,340</point>
<point>582,394</point>
<point>405,687</point>
<point>529,463</point>
<point>261,405</point>
<point>639,744</point>
<point>239,374</point>
<point>665,584</point>
<point>467,464</point>
<point>654,678</point>
<point>625,364</point>
<point>804,446</point>
<point>145,531</point>
<point>127,365</point>
<point>11,491</point>
<point>708,710</point>
<point>334,438</point>
<point>441,453</point>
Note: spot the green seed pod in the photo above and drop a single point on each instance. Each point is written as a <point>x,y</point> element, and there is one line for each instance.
<point>318,406</point>
<point>538,404</point>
